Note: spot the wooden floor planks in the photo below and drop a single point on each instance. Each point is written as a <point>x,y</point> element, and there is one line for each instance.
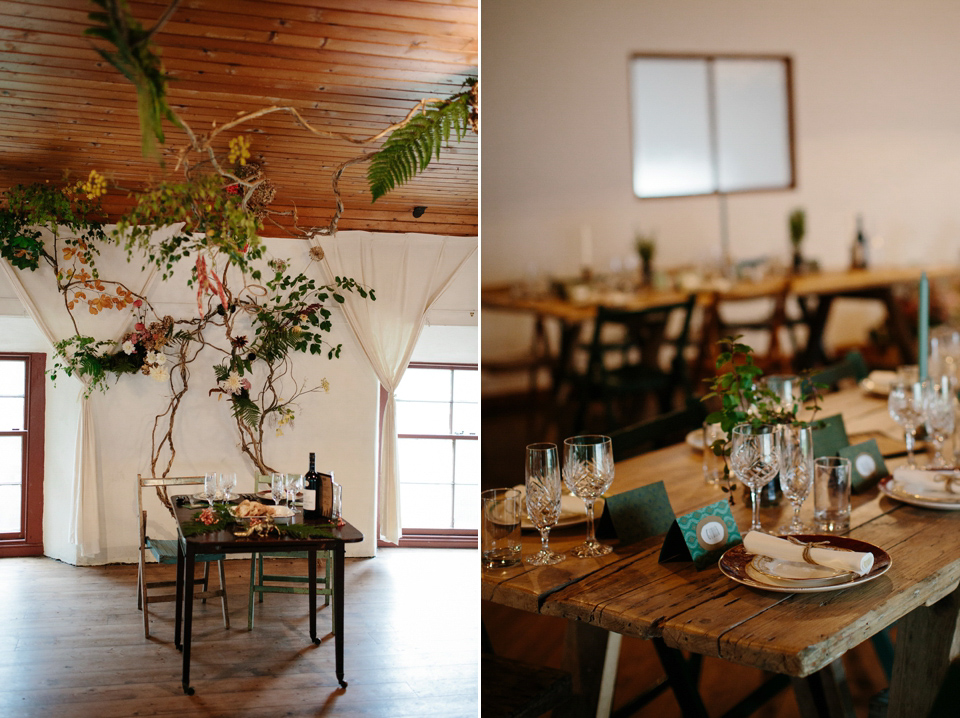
<point>71,644</point>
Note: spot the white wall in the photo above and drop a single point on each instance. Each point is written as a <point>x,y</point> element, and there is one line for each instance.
<point>340,426</point>
<point>877,111</point>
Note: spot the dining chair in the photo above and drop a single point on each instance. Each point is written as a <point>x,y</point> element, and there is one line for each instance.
<point>258,578</point>
<point>165,552</point>
<point>658,432</point>
<point>853,367</point>
<point>624,360</point>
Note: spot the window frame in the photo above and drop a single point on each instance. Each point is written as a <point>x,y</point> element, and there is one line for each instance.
<point>433,537</point>
<point>29,541</point>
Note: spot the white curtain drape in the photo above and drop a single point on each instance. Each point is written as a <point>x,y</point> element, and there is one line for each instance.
<point>408,274</point>
<point>37,291</point>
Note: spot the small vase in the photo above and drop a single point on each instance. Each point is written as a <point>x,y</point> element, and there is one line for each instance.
<point>797,261</point>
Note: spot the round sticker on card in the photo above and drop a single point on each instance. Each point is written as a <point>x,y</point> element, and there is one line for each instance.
<point>712,533</point>
<point>866,465</point>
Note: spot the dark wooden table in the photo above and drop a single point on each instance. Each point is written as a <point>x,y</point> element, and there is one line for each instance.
<point>226,542</point>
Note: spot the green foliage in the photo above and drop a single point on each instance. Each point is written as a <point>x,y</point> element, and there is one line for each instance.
<point>19,245</point>
<point>408,149</point>
<point>213,220</point>
<point>196,527</point>
<point>89,360</point>
<point>135,59</point>
<point>798,226</point>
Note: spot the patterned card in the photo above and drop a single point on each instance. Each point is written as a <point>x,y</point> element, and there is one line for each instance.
<point>868,465</point>
<point>701,536</point>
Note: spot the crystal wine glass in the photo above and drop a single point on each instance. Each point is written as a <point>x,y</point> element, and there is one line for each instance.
<point>906,406</point>
<point>228,482</point>
<point>294,486</point>
<point>796,471</point>
<point>210,481</point>
<point>543,498</point>
<point>277,487</point>
<point>939,414</point>
<point>755,459</point>
<point>588,473</point>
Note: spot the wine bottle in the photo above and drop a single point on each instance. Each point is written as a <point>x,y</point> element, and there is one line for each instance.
<point>860,252</point>
<point>310,480</point>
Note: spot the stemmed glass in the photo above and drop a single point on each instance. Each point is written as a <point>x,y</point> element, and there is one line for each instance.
<point>906,406</point>
<point>210,481</point>
<point>543,498</point>
<point>294,487</point>
<point>228,482</point>
<point>940,417</point>
<point>277,487</point>
<point>588,473</point>
<point>755,458</point>
<point>796,471</point>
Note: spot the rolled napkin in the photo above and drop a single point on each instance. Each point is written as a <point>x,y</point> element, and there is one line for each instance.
<point>882,380</point>
<point>763,544</point>
<point>943,483</point>
<point>570,505</point>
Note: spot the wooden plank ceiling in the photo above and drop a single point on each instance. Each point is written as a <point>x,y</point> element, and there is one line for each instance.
<point>351,66</point>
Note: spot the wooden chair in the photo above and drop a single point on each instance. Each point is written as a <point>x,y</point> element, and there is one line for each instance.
<point>663,430</point>
<point>636,371</point>
<point>258,578</point>
<point>165,551</point>
<point>853,367</point>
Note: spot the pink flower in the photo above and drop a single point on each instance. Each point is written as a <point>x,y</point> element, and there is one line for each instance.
<point>138,303</point>
<point>245,384</point>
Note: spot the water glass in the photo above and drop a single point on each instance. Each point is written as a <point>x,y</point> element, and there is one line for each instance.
<point>500,528</point>
<point>588,473</point>
<point>796,471</point>
<point>336,510</point>
<point>712,464</point>
<point>755,459</point>
<point>787,389</point>
<point>831,494</point>
<point>543,492</point>
<point>277,487</point>
<point>228,482</point>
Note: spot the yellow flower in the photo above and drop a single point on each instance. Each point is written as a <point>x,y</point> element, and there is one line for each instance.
<point>95,186</point>
<point>239,149</point>
<point>295,329</point>
<point>325,385</point>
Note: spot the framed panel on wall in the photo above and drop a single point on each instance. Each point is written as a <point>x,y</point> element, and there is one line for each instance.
<point>711,124</point>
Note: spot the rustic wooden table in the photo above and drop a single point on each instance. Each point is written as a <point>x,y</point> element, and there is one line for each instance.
<point>798,635</point>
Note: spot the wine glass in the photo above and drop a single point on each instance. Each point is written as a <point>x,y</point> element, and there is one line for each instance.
<point>796,471</point>
<point>588,472</point>
<point>543,498</point>
<point>228,482</point>
<point>277,487</point>
<point>939,414</point>
<point>294,485</point>
<point>210,481</point>
<point>755,459</point>
<point>906,406</point>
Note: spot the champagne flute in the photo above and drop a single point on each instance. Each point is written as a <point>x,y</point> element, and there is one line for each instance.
<point>940,417</point>
<point>796,471</point>
<point>588,473</point>
<point>906,406</point>
<point>755,459</point>
<point>543,490</point>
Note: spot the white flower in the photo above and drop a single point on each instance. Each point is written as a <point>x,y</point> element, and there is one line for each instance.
<point>156,358</point>
<point>128,347</point>
<point>159,373</point>
<point>232,383</point>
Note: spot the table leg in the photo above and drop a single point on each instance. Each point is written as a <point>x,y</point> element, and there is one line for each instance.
<point>814,354</point>
<point>824,694</point>
<point>584,651</point>
<point>927,639</point>
<point>188,620</point>
<point>179,598</point>
<point>312,603</point>
<point>338,554</point>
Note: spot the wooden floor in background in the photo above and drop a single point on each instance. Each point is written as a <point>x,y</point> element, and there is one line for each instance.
<point>72,645</point>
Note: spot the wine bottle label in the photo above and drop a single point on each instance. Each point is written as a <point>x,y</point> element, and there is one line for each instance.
<point>309,500</point>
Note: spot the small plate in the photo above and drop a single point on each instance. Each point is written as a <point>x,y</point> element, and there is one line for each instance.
<point>890,488</point>
<point>695,439</point>
<point>736,565</point>
<point>779,572</point>
<point>878,382</point>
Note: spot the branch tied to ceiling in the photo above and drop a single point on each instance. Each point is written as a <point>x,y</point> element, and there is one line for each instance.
<point>409,146</point>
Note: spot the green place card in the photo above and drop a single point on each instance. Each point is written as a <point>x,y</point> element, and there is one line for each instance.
<point>867,463</point>
<point>701,536</point>
<point>829,436</point>
<point>636,514</point>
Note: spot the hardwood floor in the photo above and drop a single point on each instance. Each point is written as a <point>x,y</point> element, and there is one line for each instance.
<point>72,645</point>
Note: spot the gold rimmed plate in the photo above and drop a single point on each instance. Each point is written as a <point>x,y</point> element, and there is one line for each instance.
<point>773,575</point>
<point>941,500</point>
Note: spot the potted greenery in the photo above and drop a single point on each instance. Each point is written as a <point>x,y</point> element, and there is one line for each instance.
<point>798,228</point>
<point>646,246</point>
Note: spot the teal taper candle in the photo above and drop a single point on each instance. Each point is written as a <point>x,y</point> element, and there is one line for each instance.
<point>923,325</point>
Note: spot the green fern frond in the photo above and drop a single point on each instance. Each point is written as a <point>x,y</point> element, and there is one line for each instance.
<point>408,149</point>
<point>245,409</point>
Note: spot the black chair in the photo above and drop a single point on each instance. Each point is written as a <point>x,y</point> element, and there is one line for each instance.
<point>629,368</point>
<point>853,367</point>
<point>656,433</point>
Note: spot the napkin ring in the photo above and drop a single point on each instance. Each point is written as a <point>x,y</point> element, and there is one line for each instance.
<point>812,545</point>
<point>948,481</point>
